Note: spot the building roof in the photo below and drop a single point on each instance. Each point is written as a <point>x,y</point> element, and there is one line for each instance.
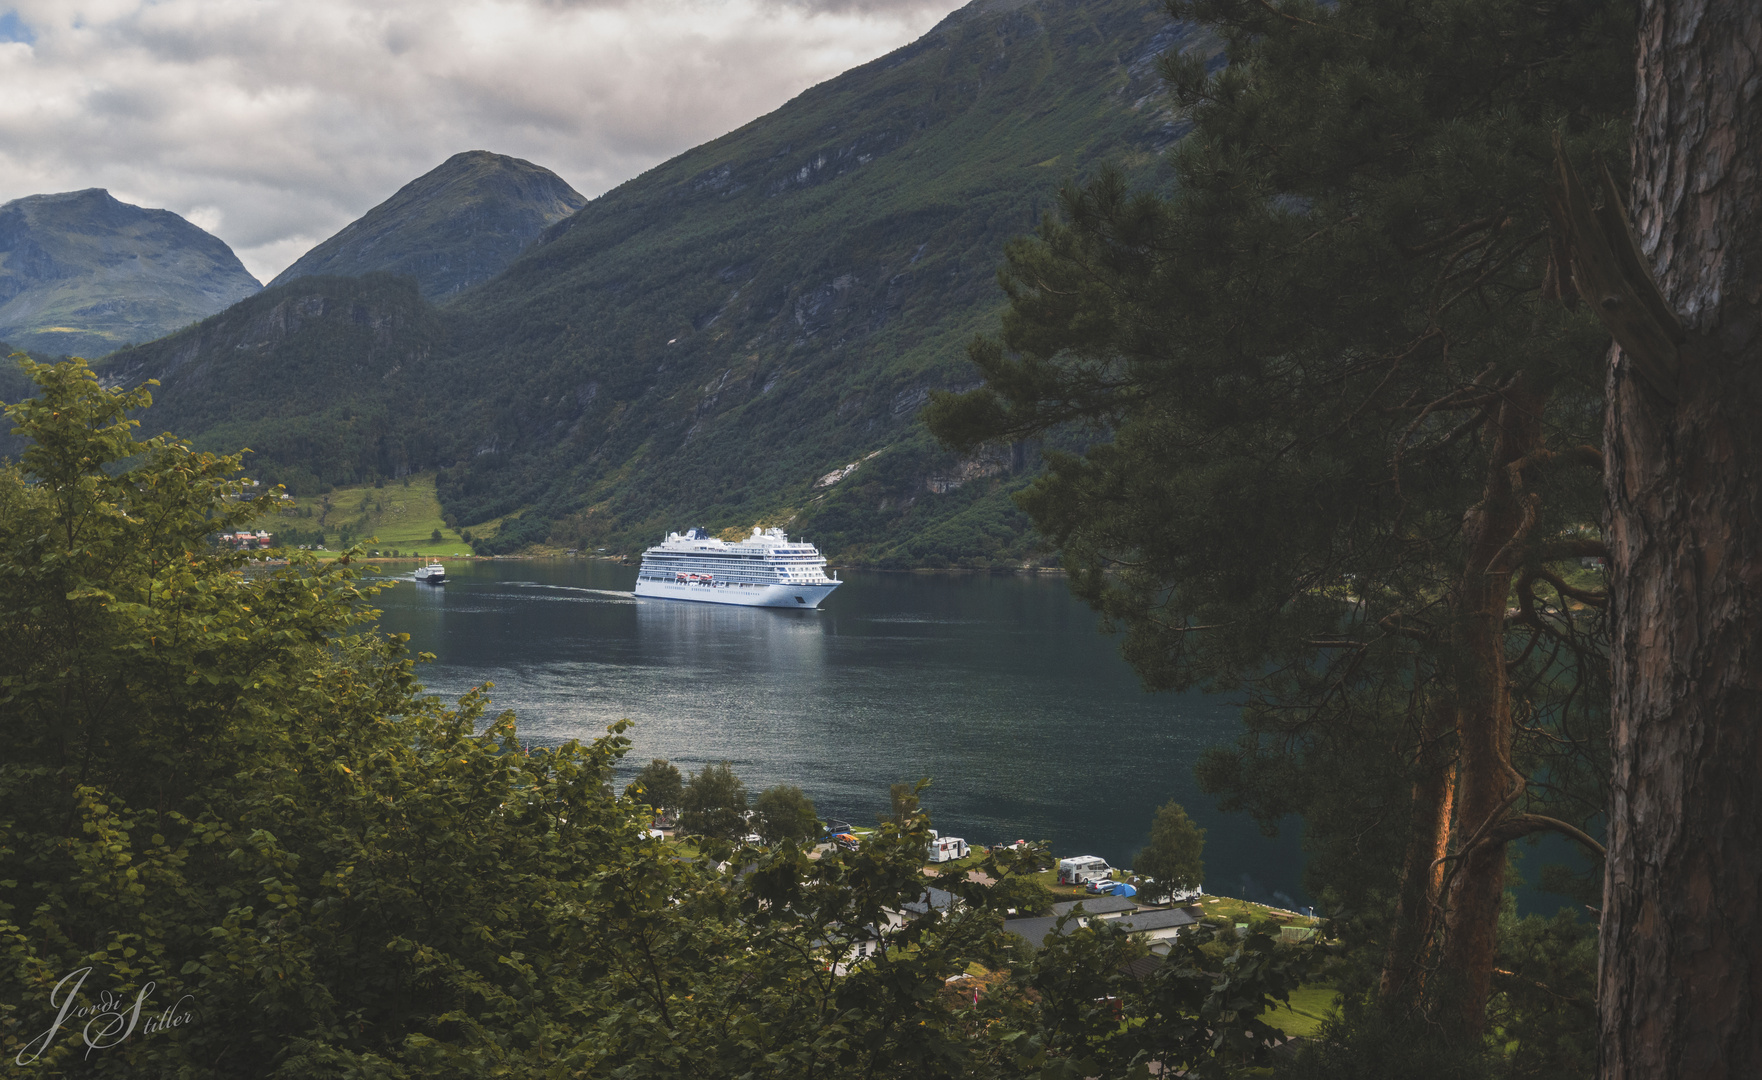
<point>1096,905</point>
<point>939,899</point>
<point>1035,931</point>
<point>1155,920</point>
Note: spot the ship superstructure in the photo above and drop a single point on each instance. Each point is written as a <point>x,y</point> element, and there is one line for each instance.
<point>762,570</point>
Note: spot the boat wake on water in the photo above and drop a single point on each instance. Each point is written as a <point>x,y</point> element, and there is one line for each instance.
<point>617,593</point>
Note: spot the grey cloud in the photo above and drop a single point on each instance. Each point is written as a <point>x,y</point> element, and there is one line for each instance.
<point>280,121</point>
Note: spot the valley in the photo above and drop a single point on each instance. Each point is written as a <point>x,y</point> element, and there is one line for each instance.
<point>744,334</point>
<point>712,340</point>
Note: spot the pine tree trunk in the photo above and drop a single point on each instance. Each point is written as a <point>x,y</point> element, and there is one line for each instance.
<point>1681,970</point>
<point>1422,871</point>
<point>1486,781</point>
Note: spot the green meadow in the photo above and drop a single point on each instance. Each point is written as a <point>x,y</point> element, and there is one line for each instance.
<point>402,516</point>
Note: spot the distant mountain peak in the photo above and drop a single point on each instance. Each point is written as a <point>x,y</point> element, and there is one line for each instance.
<point>82,272</point>
<point>458,224</point>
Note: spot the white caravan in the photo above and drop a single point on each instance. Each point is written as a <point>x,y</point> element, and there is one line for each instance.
<point>1083,869</point>
<point>947,848</point>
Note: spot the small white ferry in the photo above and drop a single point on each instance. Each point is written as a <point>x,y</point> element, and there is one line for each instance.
<point>432,574</point>
<point>763,570</point>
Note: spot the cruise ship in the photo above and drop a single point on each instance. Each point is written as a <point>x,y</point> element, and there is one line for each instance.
<point>763,570</point>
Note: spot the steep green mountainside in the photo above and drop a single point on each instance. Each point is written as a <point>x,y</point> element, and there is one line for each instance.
<point>82,274</point>
<point>744,334</point>
<point>14,387</point>
<point>314,376</point>
<point>709,342</point>
<point>450,228</point>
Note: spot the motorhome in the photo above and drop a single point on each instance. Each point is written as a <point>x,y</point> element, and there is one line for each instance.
<point>1083,868</point>
<point>947,848</point>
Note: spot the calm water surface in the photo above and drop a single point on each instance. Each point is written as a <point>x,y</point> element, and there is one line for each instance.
<point>1000,689</point>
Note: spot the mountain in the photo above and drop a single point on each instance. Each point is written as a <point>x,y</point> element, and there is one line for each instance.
<point>315,376</point>
<point>742,334</point>
<point>81,273</point>
<point>451,228</point>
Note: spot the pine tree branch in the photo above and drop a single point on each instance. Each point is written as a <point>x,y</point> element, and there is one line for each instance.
<point>1518,826</point>
<point>1610,270</point>
<point>1584,596</point>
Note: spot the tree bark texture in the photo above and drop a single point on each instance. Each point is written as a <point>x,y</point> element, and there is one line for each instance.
<point>1422,868</point>
<point>1497,531</point>
<point>1680,977</point>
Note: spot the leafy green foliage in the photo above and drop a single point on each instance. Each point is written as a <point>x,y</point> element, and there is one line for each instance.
<point>1546,999</point>
<point>714,804</point>
<point>903,800</point>
<point>1195,1011</point>
<point>1021,895</point>
<point>222,791</point>
<point>1364,1043</point>
<point>782,813</point>
<point>1174,855</point>
<point>659,785</point>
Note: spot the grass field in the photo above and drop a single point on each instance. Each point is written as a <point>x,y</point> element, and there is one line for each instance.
<point>400,516</point>
<point>1310,1006</point>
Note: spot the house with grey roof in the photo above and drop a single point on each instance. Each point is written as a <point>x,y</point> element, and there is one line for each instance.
<point>1147,926</point>
<point>1101,906</point>
<point>1153,926</point>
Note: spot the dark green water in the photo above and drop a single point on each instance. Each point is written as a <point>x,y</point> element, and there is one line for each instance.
<point>1000,689</point>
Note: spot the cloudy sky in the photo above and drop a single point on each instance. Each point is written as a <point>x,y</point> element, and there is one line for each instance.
<point>274,123</point>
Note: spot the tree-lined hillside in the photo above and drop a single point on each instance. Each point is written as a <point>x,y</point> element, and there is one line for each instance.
<point>319,377</point>
<point>711,342</point>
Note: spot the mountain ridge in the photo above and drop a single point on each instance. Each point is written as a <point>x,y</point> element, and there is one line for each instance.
<point>84,273</point>
<point>457,225</point>
<point>711,341</point>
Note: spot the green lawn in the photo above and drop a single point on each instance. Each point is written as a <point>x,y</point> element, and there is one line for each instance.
<point>400,515</point>
<point>1309,1007</point>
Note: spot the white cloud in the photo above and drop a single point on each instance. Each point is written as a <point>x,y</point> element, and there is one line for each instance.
<point>279,121</point>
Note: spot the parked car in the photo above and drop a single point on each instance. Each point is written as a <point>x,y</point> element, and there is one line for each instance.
<point>1110,888</point>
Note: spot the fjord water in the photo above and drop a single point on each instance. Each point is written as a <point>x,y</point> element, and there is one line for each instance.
<point>999,688</point>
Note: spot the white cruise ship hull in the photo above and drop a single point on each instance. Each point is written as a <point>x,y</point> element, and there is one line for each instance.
<point>739,594</point>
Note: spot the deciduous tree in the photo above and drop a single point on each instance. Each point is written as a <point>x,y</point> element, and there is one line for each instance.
<point>1174,857</point>
<point>659,785</point>
<point>784,813</point>
<point>714,803</point>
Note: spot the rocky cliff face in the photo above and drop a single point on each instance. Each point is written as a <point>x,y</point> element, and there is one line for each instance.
<point>83,274</point>
<point>451,228</point>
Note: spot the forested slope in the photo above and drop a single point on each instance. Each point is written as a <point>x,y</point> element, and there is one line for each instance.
<point>711,342</point>
<point>705,343</point>
<point>315,376</point>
